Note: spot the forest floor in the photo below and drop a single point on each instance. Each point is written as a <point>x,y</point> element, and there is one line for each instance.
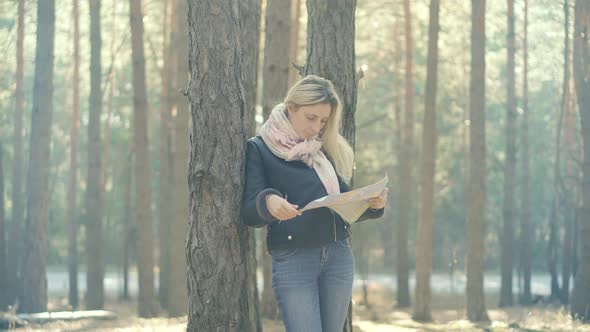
<point>380,316</point>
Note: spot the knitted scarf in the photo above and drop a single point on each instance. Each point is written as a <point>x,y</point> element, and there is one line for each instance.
<point>280,137</point>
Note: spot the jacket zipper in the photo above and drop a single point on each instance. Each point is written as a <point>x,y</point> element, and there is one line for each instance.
<point>333,224</point>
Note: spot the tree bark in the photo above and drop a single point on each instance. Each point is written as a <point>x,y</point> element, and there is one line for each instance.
<point>33,297</point>
<point>507,237</point>
<point>218,244</point>
<point>275,74</point>
<point>147,305</point>
<point>424,238</point>
<point>73,176</point>
<point>294,74</point>
<point>476,192</point>
<point>4,300</point>
<point>94,199</point>
<point>580,304</point>
<point>406,168</point>
<point>526,229</point>
<point>15,248</point>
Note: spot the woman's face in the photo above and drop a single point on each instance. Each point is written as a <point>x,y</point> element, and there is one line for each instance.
<point>309,120</point>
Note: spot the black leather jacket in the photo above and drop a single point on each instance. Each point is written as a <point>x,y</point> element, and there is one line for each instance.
<point>268,174</point>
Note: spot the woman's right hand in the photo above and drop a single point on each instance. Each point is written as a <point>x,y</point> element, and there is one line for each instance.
<point>280,208</point>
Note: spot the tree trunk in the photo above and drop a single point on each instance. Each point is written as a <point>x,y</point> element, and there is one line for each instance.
<point>580,307</point>
<point>250,39</point>
<point>427,172</point>
<point>507,237</point>
<point>33,297</point>
<point>275,77</point>
<point>218,244</point>
<point>476,193</point>
<point>4,300</point>
<point>147,305</point>
<point>294,75</point>
<point>406,168</point>
<point>275,74</point>
<point>165,154</point>
<point>73,177</point>
<point>15,248</point>
<point>330,53</point>
<point>94,199</point>
<point>127,240</point>
<point>177,295</point>
<point>525,229</point>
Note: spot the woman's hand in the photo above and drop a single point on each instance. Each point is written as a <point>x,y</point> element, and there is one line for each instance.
<point>280,208</point>
<point>380,201</point>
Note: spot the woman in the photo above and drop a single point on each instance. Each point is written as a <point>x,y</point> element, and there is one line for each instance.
<point>299,157</point>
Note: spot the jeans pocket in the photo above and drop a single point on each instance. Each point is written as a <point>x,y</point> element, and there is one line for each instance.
<point>282,253</point>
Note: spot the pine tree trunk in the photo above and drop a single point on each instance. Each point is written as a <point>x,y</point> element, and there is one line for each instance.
<point>526,229</point>
<point>165,155</point>
<point>580,303</point>
<point>476,192</point>
<point>33,297</point>
<point>177,295</point>
<point>294,75</point>
<point>427,171</point>
<point>126,240</point>
<point>94,200</point>
<point>147,305</point>
<point>73,176</point>
<point>250,39</point>
<point>4,300</point>
<point>507,237</point>
<point>275,74</point>
<point>218,244</point>
<point>406,168</point>
<point>15,248</point>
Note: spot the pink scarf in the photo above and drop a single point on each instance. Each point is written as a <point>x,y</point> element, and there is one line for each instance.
<point>280,137</point>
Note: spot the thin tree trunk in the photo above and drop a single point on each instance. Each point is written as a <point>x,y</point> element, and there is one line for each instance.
<point>165,155</point>
<point>218,244</point>
<point>507,237</point>
<point>73,178</point>
<point>275,74</point>
<point>476,193</point>
<point>580,303</point>
<point>147,305</point>
<point>4,300</point>
<point>294,75</point>
<point>94,199</point>
<point>127,239</point>
<point>525,230</point>
<point>15,248</point>
<point>177,296</point>
<point>33,297</point>
<point>406,168</point>
<point>427,171</point>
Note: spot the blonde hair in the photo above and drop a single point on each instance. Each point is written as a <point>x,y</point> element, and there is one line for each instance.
<point>316,90</point>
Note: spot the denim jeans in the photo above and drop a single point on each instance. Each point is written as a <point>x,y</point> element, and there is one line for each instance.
<point>313,286</point>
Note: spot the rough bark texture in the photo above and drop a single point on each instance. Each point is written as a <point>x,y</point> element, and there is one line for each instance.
<point>165,155</point>
<point>294,75</point>
<point>525,230</point>
<point>147,305</point>
<point>580,304</point>
<point>476,192</point>
<point>250,39</point>
<point>73,176</point>
<point>330,52</point>
<point>275,73</point>
<point>218,244</point>
<point>33,297</point>
<point>94,264</point>
<point>406,165</point>
<point>16,227</point>
<point>177,295</point>
<point>507,237</point>
<point>427,172</point>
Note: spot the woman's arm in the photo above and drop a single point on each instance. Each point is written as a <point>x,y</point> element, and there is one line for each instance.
<point>254,210</point>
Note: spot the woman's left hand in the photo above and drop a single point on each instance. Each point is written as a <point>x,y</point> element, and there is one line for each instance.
<point>380,201</point>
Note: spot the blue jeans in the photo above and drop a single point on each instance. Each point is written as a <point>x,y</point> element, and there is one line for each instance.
<point>313,286</point>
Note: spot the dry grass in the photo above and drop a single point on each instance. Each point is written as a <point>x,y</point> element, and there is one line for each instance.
<point>380,316</point>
